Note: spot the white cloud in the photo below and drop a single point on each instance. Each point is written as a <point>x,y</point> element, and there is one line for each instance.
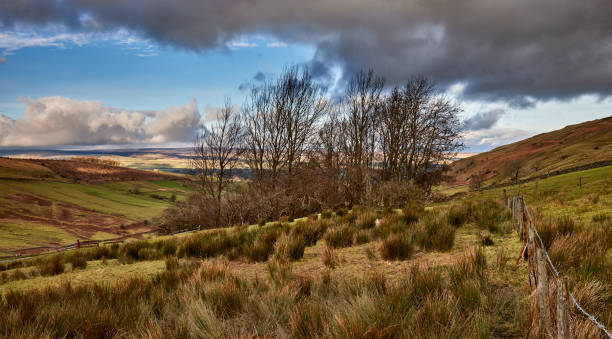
<point>56,36</point>
<point>276,44</point>
<point>213,112</point>
<point>64,121</point>
<point>489,138</point>
<point>236,44</point>
<point>12,41</point>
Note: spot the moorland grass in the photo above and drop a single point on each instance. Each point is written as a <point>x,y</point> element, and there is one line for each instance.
<point>209,299</point>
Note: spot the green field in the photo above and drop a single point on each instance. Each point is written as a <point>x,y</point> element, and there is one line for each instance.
<point>109,204</point>
<point>564,194</point>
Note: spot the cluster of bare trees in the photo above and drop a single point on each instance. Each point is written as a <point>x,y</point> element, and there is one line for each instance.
<point>376,146</point>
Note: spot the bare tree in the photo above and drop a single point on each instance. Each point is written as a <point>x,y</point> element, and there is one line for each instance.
<point>281,118</point>
<point>329,156</point>
<point>217,152</point>
<point>418,132</point>
<point>362,98</point>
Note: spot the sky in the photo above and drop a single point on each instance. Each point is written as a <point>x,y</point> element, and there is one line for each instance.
<point>149,72</point>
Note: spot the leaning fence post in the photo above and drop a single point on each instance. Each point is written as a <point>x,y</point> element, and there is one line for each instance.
<point>562,307</point>
<point>543,292</point>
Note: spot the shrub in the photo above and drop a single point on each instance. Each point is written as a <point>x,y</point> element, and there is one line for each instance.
<point>263,245</point>
<point>433,233</point>
<point>77,259</point>
<point>391,224</point>
<point>366,220</point>
<point>341,236</point>
<point>131,249</point>
<point>329,257</point>
<point>290,247</point>
<point>309,230</point>
<point>326,214</point>
<point>52,266</point>
<point>397,247</point>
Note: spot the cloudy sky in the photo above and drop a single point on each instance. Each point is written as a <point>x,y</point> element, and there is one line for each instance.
<point>88,72</point>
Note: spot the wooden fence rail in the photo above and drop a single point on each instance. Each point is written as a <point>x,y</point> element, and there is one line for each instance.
<point>553,296</point>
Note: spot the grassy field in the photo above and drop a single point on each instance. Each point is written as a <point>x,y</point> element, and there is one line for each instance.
<point>581,194</point>
<point>54,212</point>
<point>460,278</point>
<point>325,261</point>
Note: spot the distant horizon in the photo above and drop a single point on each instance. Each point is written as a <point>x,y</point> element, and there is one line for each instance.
<point>185,146</point>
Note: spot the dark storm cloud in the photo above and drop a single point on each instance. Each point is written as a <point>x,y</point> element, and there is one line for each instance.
<point>483,120</point>
<point>518,51</point>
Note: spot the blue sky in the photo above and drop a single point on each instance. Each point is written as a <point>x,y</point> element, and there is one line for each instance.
<point>89,72</point>
<point>140,76</point>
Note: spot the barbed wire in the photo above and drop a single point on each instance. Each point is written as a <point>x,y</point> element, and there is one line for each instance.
<point>552,266</point>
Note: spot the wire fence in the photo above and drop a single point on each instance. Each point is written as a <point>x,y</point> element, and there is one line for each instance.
<point>26,253</point>
<point>539,263</point>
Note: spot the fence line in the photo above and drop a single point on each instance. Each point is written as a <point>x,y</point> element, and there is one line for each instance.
<point>528,232</point>
<point>85,243</point>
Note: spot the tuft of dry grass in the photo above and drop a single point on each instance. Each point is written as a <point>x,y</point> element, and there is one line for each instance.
<point>341,236</point>
<point>397,247</point>
<point>329,257</point>
<point>434,233</point>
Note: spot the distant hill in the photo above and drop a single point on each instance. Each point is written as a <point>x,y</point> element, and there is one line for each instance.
<point>573,147</point>
<point>75,170</point>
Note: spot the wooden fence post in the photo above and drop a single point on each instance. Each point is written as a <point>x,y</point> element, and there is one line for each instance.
<point>543,293</point>
<point>562,310</point>
<point>531,255</point>
<point>519,215</point>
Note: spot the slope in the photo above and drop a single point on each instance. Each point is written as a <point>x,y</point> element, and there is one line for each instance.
<point>50,203</point>
<point>573,147</point>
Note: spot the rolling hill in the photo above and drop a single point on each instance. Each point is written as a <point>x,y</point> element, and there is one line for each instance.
<point>574,147</point>
<point>55,202</point>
